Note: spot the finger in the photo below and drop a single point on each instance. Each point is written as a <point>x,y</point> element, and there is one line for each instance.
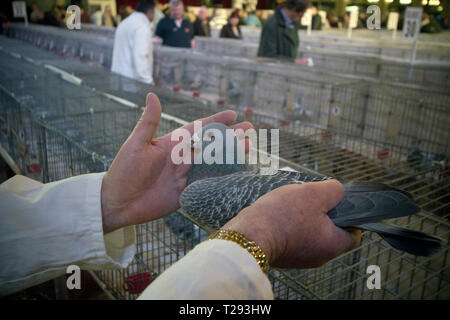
<point>148,123</point>
<point>226,117</point>
<point>328,193</point>
<point>244,126</point>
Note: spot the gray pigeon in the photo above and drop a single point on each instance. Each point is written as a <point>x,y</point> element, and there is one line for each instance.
<point>216,193</point>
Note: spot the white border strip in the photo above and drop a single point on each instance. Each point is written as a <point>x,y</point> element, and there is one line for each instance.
<point>65,75</point>
<point>120,100</point>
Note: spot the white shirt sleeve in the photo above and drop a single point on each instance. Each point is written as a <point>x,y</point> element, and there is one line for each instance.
<point>143,54</point>
<point>46,227</point>
<point>214,269</point>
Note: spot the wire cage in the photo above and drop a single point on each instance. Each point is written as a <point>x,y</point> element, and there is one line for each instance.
<point>360,60</point>
<point>87,46</point>
<point>81,136</point>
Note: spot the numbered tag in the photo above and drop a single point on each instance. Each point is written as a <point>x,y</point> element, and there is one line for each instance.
<point>19,9</point>
<point>307,18</point>
<point>411,26</point>
<point>353,20</point>
<point>289,102</point>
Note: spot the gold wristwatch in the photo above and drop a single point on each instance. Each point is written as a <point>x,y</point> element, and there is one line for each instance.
<point>245,243</point>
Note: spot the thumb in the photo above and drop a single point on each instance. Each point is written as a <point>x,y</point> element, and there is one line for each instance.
<point>149,121</point>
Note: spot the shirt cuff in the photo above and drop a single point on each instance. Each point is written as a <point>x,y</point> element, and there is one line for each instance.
<point>214,269</point>
<point>115,249</point>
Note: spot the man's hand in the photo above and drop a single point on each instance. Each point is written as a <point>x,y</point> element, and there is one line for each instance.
<point>292,227</point>
<point>143,183</point>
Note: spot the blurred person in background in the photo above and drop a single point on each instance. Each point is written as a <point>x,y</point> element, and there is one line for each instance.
<point>4,25</point>
<point>125,11</point>
<point>243,15</point>
<point>175,30</point>
<point>316,20</point>
<point>96,16</point>
<point>122,14</point>
<point>264,16</point>
<point>84,16</point>
<point>231,29</point>
<point>108,19</point>
<point>333,20</point>
<point>133,47</point>
<point>36,15</point>
<point>217,20</point>
<point>279,36</point>
<point>430,24</point>
<point>259,15</point>
<point>54,17</point>
<point>253,20</point>
<point>129,10</point>
<point>158,14</point>
<point>201,24</point>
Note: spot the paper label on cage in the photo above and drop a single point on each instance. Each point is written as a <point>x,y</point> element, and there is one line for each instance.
<point>223,87</point>
<point>19,9</point>
<point>289,103</point>
<point>392,130</point>
<point>176,75</point>
<point>353,20</point>
<point>412,24</point>
<point>255,96</point>
<point>197,81</point>
<point>334,121</point>
<point>392,21</point>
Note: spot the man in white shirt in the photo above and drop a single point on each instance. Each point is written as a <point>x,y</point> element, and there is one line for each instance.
<point>133,48</point>
<point>89,221</point>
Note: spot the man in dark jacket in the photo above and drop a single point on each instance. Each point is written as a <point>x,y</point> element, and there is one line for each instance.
<point>201,24</point>
<point>175,30</point>
<point>279,36</point>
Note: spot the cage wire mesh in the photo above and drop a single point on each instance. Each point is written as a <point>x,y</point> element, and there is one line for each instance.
<point>346,59</point>
<point>78,130</point>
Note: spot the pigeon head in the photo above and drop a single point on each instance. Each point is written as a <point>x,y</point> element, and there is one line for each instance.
<point>216,148</point>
